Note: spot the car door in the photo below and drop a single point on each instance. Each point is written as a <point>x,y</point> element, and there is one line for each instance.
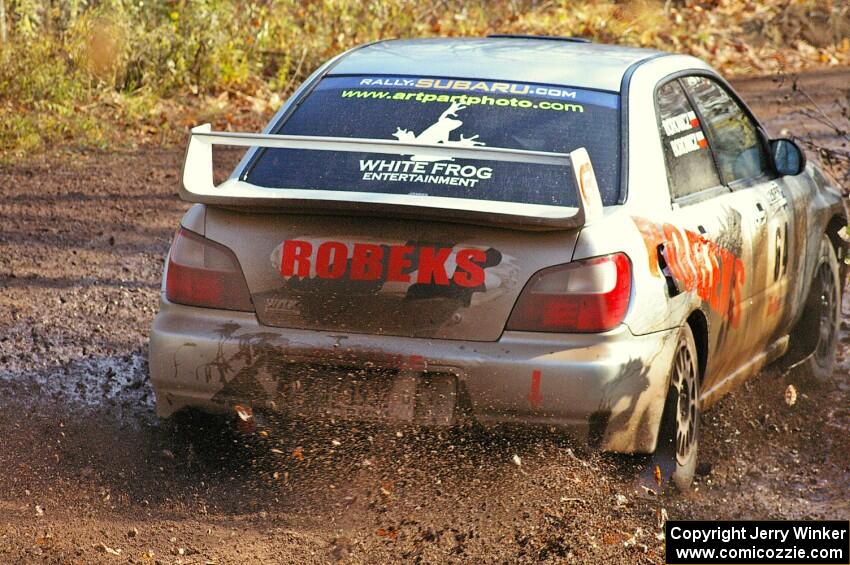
<point>710,248</point>
<point>742,159</point>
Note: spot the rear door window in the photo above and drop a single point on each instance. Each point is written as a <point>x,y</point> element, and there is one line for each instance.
<point>451,112</point>
<point>690,165</point>
<point>734,137</point>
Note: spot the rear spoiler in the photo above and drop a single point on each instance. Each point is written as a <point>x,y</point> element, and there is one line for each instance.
<point>198,185</point>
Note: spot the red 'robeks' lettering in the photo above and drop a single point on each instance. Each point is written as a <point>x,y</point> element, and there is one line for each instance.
<point>373,262</point>
<point>331,260</point>
<point>472,274</point>
<point>399,262</point>
<point>432,265</point>
<point>366,262</point>
<point>294,253</point>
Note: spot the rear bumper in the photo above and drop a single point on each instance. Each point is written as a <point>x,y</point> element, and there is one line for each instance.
<point>609,388</point>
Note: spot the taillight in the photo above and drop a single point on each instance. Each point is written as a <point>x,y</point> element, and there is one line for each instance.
<point>580,297</point>
<point>206,274</point>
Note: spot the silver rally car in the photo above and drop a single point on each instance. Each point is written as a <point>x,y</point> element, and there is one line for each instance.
<point>510,229</point>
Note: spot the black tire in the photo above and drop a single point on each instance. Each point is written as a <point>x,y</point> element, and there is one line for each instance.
<point>818,328</point>
<point>825,300</point>
<point>675,456</point>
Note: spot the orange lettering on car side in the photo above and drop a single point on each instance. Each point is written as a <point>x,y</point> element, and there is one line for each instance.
<point>698,265</point>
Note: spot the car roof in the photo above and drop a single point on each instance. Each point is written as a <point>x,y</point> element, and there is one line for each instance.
<point>545,60</point>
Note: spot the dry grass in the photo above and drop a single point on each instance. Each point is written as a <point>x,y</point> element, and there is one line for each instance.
<point>118,73</point>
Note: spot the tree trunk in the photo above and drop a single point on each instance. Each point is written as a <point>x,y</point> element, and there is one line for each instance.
<point>3,22</point>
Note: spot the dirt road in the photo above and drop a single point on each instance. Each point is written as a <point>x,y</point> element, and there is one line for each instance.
<point>88,474</point>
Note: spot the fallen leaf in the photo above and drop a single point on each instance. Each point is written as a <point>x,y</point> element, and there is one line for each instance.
<point>298,453</point>
<point>658,475</point>
<point>613,538</point>
<point>387,533</point>
<point>662,517</point>
<point>103,548</point>
<point>791,395</point>
<point>517,461</point>
<point>245,413</point>
<point>633,540</point>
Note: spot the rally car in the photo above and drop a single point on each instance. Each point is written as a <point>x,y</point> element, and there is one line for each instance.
<point>508,229</point>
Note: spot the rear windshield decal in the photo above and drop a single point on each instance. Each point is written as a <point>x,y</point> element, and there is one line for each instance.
<point>439,132</point>
<point>425,168</point>
<point>472,87</point>
<point>448,112</point>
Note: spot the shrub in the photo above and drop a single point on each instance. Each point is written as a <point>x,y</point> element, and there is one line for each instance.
<point>112,72</point>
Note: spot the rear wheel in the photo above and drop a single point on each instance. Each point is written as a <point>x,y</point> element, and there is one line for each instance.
<point>817,331</point>
<point>675,458</point>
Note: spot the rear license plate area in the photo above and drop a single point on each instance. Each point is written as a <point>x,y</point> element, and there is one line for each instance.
<point>371,395</point>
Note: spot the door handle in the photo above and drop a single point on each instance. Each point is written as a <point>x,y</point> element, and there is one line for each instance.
<point>761,215</point>
<point>672,287</point>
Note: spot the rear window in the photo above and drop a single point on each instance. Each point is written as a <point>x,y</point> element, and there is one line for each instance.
<point>451,112</point>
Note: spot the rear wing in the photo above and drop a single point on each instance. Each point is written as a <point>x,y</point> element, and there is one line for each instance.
<point>198,185</point>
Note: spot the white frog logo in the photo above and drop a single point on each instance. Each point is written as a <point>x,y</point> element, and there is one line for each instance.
<point>438,133</point>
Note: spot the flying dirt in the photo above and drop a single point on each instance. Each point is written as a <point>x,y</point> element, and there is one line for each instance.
<point>91,475</point>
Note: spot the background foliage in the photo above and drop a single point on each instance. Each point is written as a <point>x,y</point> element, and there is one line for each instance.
<point>121,72</point>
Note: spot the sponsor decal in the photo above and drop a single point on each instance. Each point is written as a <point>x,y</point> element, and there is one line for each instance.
<point>429,168</point>
<point>499,93</point>
<point>688,144</point>
<point>685,144</point>
<point>680,123</point>
<point>465,99</point>
<point>698,265</point>
<point>439,133</point>
<point>411,171</point>
<point>467,85</point>
<point>775,196</point>
<point>275,305</point>
<point>451,128</point>
<point>362,261</point>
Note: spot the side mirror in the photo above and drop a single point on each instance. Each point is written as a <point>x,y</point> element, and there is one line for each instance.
<point>788,158</point>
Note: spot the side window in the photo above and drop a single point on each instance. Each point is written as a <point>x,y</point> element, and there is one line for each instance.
<point>734,138</point>
<point>690,166</point>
